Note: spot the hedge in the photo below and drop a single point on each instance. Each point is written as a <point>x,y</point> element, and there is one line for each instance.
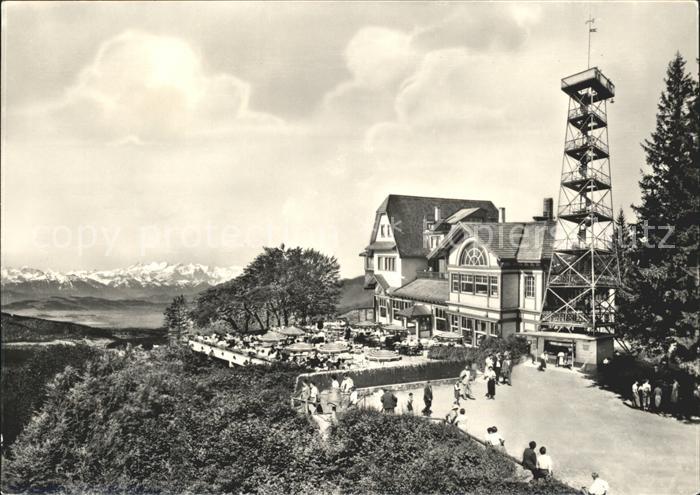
<point>375,377</point>
<point>516,345</point>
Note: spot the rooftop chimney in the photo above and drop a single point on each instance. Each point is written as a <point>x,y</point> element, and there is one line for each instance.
<point>502,215</point>
<point>437,214</point>
<point>548,208</point>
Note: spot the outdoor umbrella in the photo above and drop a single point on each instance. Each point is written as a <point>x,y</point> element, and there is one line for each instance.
<point>333,348</point>
<point>382,355</point>
<point>299,347</point>
<point>291,331</point>
<point>271,337</point>
<point>447,335</point>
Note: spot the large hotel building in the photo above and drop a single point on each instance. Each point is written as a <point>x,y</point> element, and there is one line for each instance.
<point>456,265</point>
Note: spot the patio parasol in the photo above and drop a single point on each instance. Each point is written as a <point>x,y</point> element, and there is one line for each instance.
<point>382,355</point>
<point>447,335</point>
<point>299,347</point>
<point>291,331</point>
<point>272,337</point>
<point>334,348</point>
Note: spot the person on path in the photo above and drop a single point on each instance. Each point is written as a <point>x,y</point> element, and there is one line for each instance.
<point>646,394</point>
<point>560,359</point>
<point>544,464</point>
<point>675,395</point>
<point>408,409</point>
<point>346,386</point>
<point>488,362</point>
<point>427,398</point>
<point>457,390</point>
<point>658,396</point>
<point>497,364</point>
<point>507,369</point>
<point>530,459</point>
<point>635,394</point>
<point>389,402</point>
<point>305,393</point>
<point>314,399</point>
<point>354,399</point>
<point>543,362</point>
<point>598,487</point>
<point>467,386</point>
<point>335,397</point>
<point>490,377</point>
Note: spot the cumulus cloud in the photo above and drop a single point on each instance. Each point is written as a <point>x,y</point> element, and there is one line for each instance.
<point>147,88</point>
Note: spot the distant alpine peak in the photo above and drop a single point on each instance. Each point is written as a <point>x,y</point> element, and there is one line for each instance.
<point>151,274</point>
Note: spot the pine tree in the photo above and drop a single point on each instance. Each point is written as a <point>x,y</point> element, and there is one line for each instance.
<point>661,301</point>
<point>177,317</point>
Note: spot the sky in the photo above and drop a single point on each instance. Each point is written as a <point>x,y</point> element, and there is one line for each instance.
<point>201,132</point>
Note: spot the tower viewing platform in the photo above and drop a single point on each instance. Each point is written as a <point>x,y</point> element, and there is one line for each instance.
<point>588,86</point>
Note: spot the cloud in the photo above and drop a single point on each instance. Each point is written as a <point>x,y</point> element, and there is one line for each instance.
<point>144,88</point>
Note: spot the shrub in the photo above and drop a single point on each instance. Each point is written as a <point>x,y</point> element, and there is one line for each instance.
<point>515,344</point>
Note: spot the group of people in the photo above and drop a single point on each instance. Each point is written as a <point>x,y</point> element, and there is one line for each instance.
<point>342,395</point>
<point>498,368</point>
<point>661,396</point>
<point>539,464</point>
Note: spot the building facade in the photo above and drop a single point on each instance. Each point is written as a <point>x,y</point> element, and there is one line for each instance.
<point>438,264</point>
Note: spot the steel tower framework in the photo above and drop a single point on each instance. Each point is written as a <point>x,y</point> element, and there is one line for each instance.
<point>584,270</point>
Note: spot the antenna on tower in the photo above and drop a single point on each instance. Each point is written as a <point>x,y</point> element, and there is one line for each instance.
<point>591,29</point>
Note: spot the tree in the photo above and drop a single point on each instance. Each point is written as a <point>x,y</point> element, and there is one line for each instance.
<point>279,286</point>
<point>661,315</point>
<point>177,317</point>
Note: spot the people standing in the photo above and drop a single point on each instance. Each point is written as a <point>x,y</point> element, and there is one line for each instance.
<point>675,395</point>
<point>490,377</point>
<point>427,398</point>
<point>497,364</point>
<point>507,369</point>
<point>389,401</point>
<point>335,397</point>
<point>467,386</point>
<point>314,399</point>
<point>408,409</point>
<point>461,420</point>
<point>543,361</point>
<point>646,394</point>
<point>346,386</point>
<point>544,464</point>
<point>354,399</point>
<point>635,394</point>
<point>305,393</point>
<point>658,396</point>
<point>457,390</point>
<point>530,459</point>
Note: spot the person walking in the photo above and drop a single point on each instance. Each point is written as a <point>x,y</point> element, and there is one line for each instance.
<point>389,401</point>
<point>658,396</point>
<point>635,394</point>
<point>427,398</point>
<point>467,386</point>
<point>544,464</point>
<point>675,396</point>
<point>646,394</point>
<point>543,361</point>
<point>506,369</point>
<point>598,487</point>
<point>457,390</point>
<point>529,461</point>
<point>490,377</point>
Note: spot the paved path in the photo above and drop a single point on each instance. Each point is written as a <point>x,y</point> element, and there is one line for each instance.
<point>584,429</point>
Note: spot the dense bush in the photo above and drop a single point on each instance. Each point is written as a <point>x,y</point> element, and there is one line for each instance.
<point>516,345</point>
<point>374,377</point>
<point>25,373</point>
<point>378,453</point>
<point>172,421</point>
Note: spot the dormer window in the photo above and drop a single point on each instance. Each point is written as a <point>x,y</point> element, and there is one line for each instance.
<point>473,255</point>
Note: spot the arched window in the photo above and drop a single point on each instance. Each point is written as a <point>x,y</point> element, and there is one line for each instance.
<point>472,255</point>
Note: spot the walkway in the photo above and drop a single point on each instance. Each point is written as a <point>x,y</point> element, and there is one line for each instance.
<point>584,429</point>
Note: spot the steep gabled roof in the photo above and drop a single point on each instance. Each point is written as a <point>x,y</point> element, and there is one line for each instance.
<point>407,213</point>
<point>520,242</point>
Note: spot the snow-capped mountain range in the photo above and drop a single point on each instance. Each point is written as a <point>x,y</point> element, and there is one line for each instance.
<point>143,280</point>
